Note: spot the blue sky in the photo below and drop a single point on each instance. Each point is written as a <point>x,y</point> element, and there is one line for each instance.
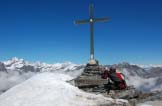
<point>43,30</point>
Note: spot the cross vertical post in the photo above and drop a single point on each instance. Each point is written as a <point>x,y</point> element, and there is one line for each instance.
<point>91,33</point>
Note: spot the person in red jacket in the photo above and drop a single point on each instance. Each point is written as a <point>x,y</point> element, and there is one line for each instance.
<point>117,79</point>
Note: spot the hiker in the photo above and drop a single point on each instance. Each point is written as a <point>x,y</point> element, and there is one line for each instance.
<point>117,79</point>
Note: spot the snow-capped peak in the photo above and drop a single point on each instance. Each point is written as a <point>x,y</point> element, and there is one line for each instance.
<point>14,60</point>
<point>16,64</point>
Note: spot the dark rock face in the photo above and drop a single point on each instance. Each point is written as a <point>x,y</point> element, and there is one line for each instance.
<point>2,67</point>
<point>152,96</point>
<point>27,68</point>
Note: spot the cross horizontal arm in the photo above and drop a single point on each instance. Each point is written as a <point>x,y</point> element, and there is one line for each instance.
<point>101,19</point>
<point>81,21</point>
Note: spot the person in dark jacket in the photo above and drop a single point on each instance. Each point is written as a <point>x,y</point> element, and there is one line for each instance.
<point>117,79</point>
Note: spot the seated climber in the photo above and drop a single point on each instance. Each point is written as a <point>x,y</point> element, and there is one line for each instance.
<point>116,77</point>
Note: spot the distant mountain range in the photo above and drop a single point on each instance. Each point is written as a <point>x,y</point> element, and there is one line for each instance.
<point>146,72</point>
<point>16,70</point>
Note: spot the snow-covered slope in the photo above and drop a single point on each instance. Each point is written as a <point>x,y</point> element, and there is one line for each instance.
<point>51,89</point>
<point>16,70</point>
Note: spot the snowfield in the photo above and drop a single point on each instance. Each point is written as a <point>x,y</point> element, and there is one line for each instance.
<point>51,89</point>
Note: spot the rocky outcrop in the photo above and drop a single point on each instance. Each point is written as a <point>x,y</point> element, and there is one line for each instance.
<point>2,67</point>
<point>27,68</point>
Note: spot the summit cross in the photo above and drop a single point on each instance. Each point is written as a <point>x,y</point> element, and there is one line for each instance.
<point>91,21</point>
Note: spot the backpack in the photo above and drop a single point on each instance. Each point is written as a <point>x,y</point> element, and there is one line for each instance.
<point>121,76</point>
